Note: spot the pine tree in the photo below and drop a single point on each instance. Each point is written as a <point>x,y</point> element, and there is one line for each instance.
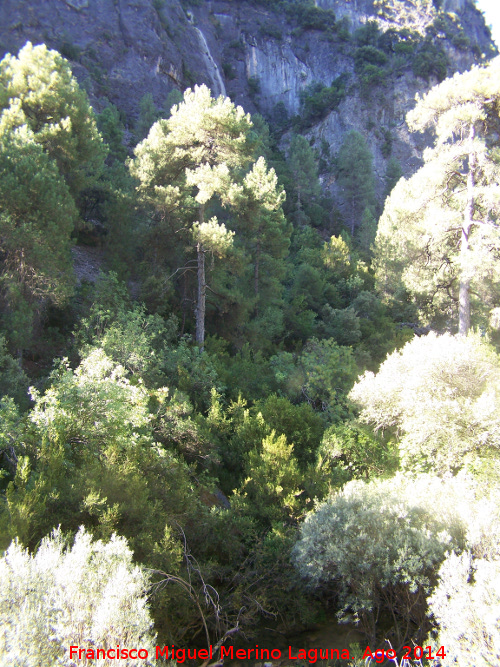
<point>37,216</point>
<point>190,164</point>
<point>39,90</point>
<point>50,150</point>
<point>356,177</point>
<point>264,237</point>
<point>438,237</point>
<point>304,170</point>
<point>148,115</point>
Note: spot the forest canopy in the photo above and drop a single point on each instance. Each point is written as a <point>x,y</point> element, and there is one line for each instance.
<point>252,412</point>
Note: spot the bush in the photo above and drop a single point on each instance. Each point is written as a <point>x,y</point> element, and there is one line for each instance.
<point>381,543</point>
<point>254,85</point>
<point>329,371</point>
<point>439,394</point>
<point>299,423</point>
<point>430,60</point>
<point>318,100</point>
<point>270,490</point>
<point>70,50</point>
<point>369,54</point>
<point>88,595</point>
<point>310,17</point>
<point>466,605</point>
<point>349,451</point>
<point>229,71</point>
<point>13,380</point>
<point>367,34</point>
<point>369,66</point>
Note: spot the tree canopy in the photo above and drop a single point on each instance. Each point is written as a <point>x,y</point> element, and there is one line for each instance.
<point>192,164</point>
<point>438,237</point>
<point>38,89</point>
<point>50,150</point>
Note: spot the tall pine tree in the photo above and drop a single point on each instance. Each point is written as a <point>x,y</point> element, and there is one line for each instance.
<point>439,236</point>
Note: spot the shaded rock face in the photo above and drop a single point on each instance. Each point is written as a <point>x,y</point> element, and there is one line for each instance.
<point>121,49</point>
<point>118,49</point>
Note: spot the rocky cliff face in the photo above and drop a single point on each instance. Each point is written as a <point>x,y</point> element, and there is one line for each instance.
<point>264,57</point>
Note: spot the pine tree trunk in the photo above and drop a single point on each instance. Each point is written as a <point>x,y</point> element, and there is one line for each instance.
<point>202,289</point>
<point>256,278</point>
<point>464,292</point>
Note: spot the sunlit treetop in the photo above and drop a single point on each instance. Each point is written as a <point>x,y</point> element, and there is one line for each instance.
<point>439,237</point>
<point>471,97</point>
<point>37,89</point>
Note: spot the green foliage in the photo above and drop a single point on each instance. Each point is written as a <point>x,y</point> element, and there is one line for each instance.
<point>449,25</point>
<point>247,373</point>
<point>35,225</point>
<point>148,115</point>
<point>440,395</point>
<point>269,30</point>
<point>380,543</point>
<point>369,62</point>
<point>253,85</point>
<point>318,100</point>
<point>50,152</point>
<point>112,130</point>
<point>229,72</point>
<point>13,380</point>
<point>354,163</point>
<point>441,226</point>
<point>366,233</point>
<point>270,489</point>
<point>69,50</point>
<point>142,432</point>
<point>340,324</point>
<point>299,423</point>
<point>329,371</point>
<point>368,55</point>
<point>430,60</point>
<point>368,34</point>
<point>184,175</point>
<point>41,92</point>
<point>263,238</point>
<point>274,580</point>
<point>174,97</point>
<point>392,175</point>
<point>303,166</point>
<point>349,451</point>
<point>87,449</point>
<point>39,594</point>
<point>310,17</point>
<point>192,371</point>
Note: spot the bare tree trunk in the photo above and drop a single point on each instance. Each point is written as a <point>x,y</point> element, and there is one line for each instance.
<point>464,293</point>
<point>256,277</point>
<point>202,290</point>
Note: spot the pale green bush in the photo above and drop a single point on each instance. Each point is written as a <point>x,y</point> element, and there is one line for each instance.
<point>466,601</point>
<point>440,396</point>
<point>90,595</point>
<point>466,605</point>
<point>380,544</point>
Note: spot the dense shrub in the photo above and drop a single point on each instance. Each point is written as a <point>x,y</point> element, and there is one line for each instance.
<point>430,60</point>
<point>466,604</point>
<point>381,543</point>
<point>90,594</point>
<point>466,601</point>
<point>440,395</point>
<point>318,100</point>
